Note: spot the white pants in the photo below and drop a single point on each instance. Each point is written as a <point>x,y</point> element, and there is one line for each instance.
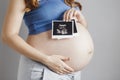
<point>33,70</point>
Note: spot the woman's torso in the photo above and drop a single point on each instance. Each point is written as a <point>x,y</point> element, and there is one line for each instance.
<point>79,49</point>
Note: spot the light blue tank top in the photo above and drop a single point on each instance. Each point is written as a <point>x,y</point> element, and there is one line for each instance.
<point>40,19</point>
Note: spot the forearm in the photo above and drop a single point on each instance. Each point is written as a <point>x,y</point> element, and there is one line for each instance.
<point>17,43</point>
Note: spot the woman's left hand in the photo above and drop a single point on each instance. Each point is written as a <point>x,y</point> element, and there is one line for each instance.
<point>74,14</point>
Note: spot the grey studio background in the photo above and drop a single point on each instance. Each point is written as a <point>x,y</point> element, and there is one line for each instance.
<point>103,18</point>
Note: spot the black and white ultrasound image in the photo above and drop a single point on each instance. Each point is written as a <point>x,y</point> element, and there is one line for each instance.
<point>62,28</point>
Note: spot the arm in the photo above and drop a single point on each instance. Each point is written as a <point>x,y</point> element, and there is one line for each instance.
<point>10,31</point>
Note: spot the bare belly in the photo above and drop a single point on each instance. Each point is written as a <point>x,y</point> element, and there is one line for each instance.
<point>80,49</point>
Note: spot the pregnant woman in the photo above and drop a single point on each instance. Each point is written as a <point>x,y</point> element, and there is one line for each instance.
<point>44,58</point>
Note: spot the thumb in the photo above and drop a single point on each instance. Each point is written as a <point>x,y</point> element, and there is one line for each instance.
<point>64,58</point>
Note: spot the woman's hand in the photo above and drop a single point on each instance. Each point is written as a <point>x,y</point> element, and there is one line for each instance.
<point>74,14</point>
<point>58,65</point>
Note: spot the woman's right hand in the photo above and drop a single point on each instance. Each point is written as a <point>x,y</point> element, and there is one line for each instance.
<point>57,64</point>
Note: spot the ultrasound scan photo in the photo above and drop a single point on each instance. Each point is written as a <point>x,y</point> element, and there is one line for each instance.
<point>62,29</point>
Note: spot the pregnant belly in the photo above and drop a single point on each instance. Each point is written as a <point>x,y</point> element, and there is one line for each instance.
<point>80,49</point>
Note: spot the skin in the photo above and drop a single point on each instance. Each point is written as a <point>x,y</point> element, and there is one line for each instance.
<point>10,36</point>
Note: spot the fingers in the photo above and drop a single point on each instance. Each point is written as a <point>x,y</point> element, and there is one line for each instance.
<point>78,16</point>
<point>58,65</point>
<point>66,59</point>
<point>69,14</point>
<point>64,70</point>
<point>68,68</point>
<point>75,13</point>
<point>64,67</point>
<point>65,16</point>
<point>63,58</point>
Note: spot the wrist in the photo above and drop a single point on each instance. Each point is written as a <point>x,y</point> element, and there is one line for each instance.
<point>45,59</point>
